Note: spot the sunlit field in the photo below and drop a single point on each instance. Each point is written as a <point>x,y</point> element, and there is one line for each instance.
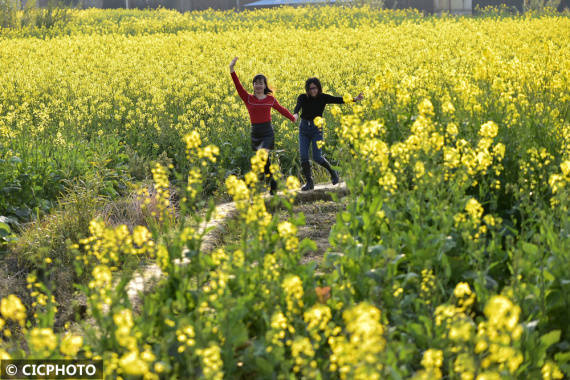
<point>451,259</point>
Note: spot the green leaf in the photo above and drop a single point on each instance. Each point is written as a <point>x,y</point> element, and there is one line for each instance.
<point>548,276</point>
<point>4,229</point>
<point>550,338</point>
<point>417,330</point>
<point>529,248</point>
<point>446,266</point>
<point>376,249</point>
<point>448,244</point>
<point>307,245</point>
<point>562,357</point>
<point>263,365</point>
<point>238,334</point>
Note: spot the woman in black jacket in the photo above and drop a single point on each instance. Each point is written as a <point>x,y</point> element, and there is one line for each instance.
<point>313,104</point>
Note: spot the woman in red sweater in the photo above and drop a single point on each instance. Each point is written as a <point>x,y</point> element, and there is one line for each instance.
<point>259,106</point>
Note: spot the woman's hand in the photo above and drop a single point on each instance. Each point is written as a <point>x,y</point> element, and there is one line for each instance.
<point>359,97</point>
<point>296,117</point>
<point>232,64</point>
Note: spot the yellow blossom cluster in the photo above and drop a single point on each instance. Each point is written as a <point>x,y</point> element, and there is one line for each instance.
<point>107,244</point>
<point>428,285</point>
<point>38,292</point>
<point>198,156</point>
<point>538,170</point>
<point>487,349</point>
<point>13,309</point>
<point>216,287</point>
<point>288,232</point>
<point>431,361</point>
<point>186,337</point>
<point>211,362</point>
<point>560,181</point>
<point>42,341</point>
<point>303,354</point>
<point>259,160</point>
<point>357,355</point>
<point>473,222</point>
<point>293,288</point>
<point>162,198</point>
<point>279,327</point>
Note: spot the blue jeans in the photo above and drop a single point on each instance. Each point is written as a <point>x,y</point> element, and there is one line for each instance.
<point>309,134</point>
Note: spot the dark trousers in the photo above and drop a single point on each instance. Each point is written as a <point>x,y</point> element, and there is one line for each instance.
<point>309,134</point>
<point>263,137</point>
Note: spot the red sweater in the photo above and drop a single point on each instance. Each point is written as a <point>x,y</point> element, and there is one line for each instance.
<point>259,109</point>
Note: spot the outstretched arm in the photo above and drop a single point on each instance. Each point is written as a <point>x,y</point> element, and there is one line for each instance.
<point>329,99</point>
<point>241,91</point>
<point>340,100</point>
<point>283,111</point>
<point>298,107</point>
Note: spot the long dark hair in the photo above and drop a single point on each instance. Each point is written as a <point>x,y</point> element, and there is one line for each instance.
<point>262,77</point>
<point>316,82</point>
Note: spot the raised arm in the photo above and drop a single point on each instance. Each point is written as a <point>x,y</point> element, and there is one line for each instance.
<point>241,91</point>
<point>283,111</point>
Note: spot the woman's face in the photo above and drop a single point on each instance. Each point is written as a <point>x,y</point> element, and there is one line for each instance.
<point>313,90</point>
<point>259,86</point>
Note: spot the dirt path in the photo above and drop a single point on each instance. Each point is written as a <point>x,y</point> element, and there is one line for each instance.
<point>320,215</point>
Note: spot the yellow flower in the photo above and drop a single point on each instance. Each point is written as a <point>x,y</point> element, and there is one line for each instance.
<point>462,289</point>
<point>302,351</point>
<point>132,364</point>
<point>448,108</point>
<point>12,308</point>
<point>432,358</point>
<point>42,340</point>
<point>70,344</point>
<point>317,317</point>
<point>565,167</point>
<point>286,229</point>
<point>193,140</point>
<point>489,129</point>
<point>550,371</point>
<point>237,188</point>
<point>141,235</point>
<point>425,108</point>
<point>209,152</point>
<point>211,362</point>
<point>278,321</point>
<point>474,208</point>
<point>259,160</point>
<point>293,287</point>
<point>419,169</point>
<point>251,178</point>
<point>336,111</point>
<point>292,183</point>
<point>319,122</point>
<point>452,129</point>
<point>101,277</point>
